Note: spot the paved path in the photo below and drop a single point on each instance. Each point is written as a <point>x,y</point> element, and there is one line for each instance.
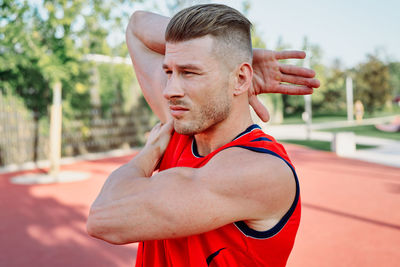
<point>44,225</point>
<point>350,212</point>
<point>387,151</point>
<point>350,216</point>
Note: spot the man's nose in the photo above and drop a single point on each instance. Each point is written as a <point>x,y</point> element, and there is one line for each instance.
<point>173,88</point>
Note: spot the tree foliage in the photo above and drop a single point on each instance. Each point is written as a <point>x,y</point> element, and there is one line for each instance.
<point>394,73</point>
<point>44,43</point>
<point>294,104</point>
<point>331,96</point>
<point>372,84</point>
<point>116,83</point>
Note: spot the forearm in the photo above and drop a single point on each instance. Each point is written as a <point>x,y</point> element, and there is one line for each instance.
<point>124,184</point>
<point>127,179</point>
<point>128,182</point>
<point>138,215</point>
<point>109,210</point>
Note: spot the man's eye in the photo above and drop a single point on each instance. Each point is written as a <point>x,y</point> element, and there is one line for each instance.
<point>168,72</point>
<point>188,72</point>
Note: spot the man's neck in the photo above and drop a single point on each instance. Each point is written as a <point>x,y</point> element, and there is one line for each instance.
<point>222,133</point>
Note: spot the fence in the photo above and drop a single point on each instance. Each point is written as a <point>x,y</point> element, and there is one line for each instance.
<point>120,122</point>
<point>25,138</point>
<point>21,139</point>
<point>94,132</point>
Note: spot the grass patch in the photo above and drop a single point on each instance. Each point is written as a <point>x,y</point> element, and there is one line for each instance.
<point>339,116</point>
<point>366,130</point>
<point>395,111</point>
<point>320,145</point>
<point>317,118</point>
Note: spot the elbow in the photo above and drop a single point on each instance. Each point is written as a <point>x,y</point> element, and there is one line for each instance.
<point>134,21</point>
<point>100,230</point>
<point>92,227</point>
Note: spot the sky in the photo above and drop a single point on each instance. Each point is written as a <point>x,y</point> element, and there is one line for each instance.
<point>344,29</point>
<point>347,30</point>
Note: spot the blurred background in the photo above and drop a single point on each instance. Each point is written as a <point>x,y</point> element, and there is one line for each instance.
<point>71,55</point>
<point>81,45</point>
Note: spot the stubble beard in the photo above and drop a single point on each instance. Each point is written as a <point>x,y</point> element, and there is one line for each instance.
<point>208,115</point>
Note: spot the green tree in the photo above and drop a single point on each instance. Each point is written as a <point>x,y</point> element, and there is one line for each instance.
<point>394,73</point>
<point>42,43</point>
<point>116,83</point>
<point>372,84</point>
<point>331,96</point>
<point>294,104</point>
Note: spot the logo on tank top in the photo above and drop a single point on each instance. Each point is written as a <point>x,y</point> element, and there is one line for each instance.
<point>213,255</point>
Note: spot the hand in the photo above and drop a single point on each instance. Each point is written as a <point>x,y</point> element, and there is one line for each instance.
<point>268,75</point>
<point>159,137</point>
<point>156,144</point>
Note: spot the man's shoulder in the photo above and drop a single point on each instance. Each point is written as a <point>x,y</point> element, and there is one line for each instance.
<point>255,159</point>
<point>252,158</point>
<point>256,140</point>
<point>262,182</point>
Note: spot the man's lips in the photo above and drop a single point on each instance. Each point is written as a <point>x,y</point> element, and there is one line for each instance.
<point>177,111</point>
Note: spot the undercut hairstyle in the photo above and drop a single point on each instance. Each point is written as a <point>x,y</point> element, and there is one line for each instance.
<point>230,29</point>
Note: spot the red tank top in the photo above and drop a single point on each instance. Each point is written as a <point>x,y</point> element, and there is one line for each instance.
<point>234,244</point>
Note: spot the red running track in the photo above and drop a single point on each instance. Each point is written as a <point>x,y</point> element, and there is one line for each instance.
<point>350,216</point>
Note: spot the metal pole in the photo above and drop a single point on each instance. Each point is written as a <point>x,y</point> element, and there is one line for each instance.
<point>308,117</point>
<point>307,104</point>
<point>55,132</point>
<point>349,98</point>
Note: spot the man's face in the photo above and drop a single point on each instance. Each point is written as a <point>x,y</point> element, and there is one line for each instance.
<point>198,86</point>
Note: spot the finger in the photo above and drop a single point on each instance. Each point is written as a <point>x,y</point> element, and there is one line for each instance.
<point>314,83</point>
<point>168,126</point>
<point>257,85</point>
<point>158,125</point>
<point>295,70</point>
<point>290,54</point>
<point>289,89</point>
<point>259,108</point>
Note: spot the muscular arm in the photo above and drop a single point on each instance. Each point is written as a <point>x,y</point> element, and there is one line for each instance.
<point>146,43</point>
<point>184,201</point>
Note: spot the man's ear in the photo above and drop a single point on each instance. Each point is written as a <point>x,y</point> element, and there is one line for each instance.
<point>243,78</point>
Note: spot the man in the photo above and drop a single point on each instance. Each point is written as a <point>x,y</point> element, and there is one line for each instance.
<point>225,193</point>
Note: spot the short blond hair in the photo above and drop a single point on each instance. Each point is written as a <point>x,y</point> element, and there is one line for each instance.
<point>228,26</point>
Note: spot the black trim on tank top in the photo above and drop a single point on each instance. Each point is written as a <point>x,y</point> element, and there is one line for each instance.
<point>249,129</point>
<point>261,139</point>
<point>195,151</point>
<point>246,230</point>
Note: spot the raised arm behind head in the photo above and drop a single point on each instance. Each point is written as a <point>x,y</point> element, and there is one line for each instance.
<point>145,36</point>
<point>146,45</point>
